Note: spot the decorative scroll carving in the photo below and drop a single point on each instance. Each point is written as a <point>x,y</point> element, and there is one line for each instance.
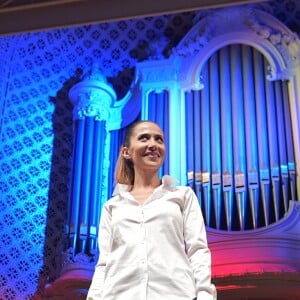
<point>252,26</point>
<point>92,97</point>
<point>194,44</point>
<point>287,43</point>
<point>92,104</point>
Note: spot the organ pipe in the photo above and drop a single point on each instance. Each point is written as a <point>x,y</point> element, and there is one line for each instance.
<point>262,134</point>
<point>273,142</point>
<point>86,182</point>
<point>215,135</point>
<point>92,99</point>
<point>250,132</point>
<point>190,140</point>
<point>74,202</point>
<point>238,131</point>
<point>226,134</point>
<point>96,179</point>
<point>289,175</point>
<point>242,159</point>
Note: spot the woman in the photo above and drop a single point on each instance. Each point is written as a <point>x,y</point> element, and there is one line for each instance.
<point>152,236</point>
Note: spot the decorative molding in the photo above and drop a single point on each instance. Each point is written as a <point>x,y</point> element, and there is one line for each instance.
<point>92,97</point>
<point>286,42</point>
<point>247,25</point>
<point>252,251</point>
<point>258,261</point>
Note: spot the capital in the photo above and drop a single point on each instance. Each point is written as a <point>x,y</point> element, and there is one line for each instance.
<point>92,97</point>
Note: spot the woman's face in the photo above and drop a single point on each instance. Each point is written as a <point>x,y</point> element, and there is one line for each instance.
<point>147,147</point>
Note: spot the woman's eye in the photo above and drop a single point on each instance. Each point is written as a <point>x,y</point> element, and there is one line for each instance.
<point>143,138</point>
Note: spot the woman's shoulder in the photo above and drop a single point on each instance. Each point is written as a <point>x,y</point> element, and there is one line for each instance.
<point>114,199</point>
<point>181,188</point>
<point>173,185</point>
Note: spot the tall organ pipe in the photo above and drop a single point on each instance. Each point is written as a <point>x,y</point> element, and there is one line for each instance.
<point>262,134</point>
<point>86,182</point>
<point>226,133</point>
<point>74,202</point>
<point>250,132</point>
<point>205,149</point>
<point>238,132</point>
<point>96,179</point>
<point>215,137</point>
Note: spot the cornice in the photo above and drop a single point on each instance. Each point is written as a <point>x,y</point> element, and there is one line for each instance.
<point>42,15</point>
<point>250,26</point>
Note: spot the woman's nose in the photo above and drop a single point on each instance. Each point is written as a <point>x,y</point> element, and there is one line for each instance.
<point>152,144</point>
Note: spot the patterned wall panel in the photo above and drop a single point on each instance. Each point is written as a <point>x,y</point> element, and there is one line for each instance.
<point>37,71</point>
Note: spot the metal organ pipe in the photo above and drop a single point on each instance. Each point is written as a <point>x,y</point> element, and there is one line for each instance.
<point>250,133</point>
<point>190,140</point>
<point>290,150</point>
<point>86,182</point>
<point>96,179</point>
<point>197,148</point>
<point>241,157</point>
<point>238,132</point>
<point>279,186</point>
<point>282,145</point>
<point>74,201</point>
<point>166,126</point>
<point>262,133</point>
<point>226,135</point>
<point>273,145</point>
<point>215,138</point>
<point>205,149</point>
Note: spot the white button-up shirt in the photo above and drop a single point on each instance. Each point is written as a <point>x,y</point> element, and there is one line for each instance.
<point>153,251</point>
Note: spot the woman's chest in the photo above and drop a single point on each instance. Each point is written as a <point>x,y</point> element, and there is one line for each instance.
<point>159,211</point>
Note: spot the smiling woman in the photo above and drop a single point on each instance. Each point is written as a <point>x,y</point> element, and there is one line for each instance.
<point>152,236</point>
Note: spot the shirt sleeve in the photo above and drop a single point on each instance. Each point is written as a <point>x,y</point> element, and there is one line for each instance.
<point>104,237</point>
<point>196,247</point>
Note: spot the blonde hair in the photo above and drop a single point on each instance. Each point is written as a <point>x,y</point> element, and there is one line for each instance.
<point>124,171</point>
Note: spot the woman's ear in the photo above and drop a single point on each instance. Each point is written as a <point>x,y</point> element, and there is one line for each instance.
<point>125,153</point>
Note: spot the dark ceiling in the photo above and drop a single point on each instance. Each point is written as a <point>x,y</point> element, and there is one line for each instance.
<point>17,16</point>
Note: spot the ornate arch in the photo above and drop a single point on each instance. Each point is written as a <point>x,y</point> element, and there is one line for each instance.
<point>245,26</point>
<point>253,27</point>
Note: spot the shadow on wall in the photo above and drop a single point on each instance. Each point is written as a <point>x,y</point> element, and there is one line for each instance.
<point>56,240</point>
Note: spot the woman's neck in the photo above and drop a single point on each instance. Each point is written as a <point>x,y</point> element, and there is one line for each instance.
<point>146,181</point>
<point>144,186</point>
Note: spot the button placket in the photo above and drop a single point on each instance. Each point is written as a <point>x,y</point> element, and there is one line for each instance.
<point>143,241</point>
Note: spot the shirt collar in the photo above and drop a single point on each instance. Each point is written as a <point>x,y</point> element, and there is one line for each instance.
<point>167,182</point>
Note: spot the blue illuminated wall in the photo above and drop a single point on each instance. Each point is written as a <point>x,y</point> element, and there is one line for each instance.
<point>37,71</point>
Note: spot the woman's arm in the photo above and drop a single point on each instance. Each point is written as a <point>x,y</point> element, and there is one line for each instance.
<point>196,247</point>
<point>104,238</point>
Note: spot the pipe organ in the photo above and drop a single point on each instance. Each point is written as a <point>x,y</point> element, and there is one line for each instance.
<point>239,142</point>
<point>227,99</point>
<point>232,93</point>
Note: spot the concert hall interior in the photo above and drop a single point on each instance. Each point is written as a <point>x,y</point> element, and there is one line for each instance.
<point>221,78</point>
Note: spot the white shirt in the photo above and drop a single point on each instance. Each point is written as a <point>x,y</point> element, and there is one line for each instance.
<point>153,251</point>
